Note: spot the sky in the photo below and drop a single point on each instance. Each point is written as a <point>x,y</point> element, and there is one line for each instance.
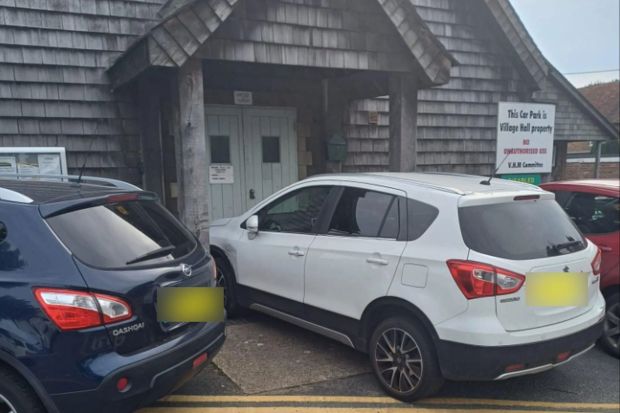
<point>576,36</point>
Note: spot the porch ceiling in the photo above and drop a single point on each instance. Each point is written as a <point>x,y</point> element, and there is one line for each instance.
<point>188,24</point>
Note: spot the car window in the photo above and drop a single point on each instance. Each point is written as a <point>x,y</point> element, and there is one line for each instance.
<point>594,214</point>
<point>562,197</point>
<point>520,230</point>
<point>365,213</point>
<point>122,234</point>
<point>420,217</point>
<point>296,212</point>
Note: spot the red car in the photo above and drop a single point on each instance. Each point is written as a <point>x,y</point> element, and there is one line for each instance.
<point>593,206</point>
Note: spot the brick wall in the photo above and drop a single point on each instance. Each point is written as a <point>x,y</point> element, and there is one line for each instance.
<point>585,170</point>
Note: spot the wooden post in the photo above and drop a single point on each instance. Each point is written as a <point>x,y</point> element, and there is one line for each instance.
<point>597,160</point>
<point>403,122</point>
<point>192,150</point>
<point>561,150</point>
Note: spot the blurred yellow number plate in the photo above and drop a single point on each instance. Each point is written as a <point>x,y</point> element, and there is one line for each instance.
<point>177,304</point>
<point>557,289</point>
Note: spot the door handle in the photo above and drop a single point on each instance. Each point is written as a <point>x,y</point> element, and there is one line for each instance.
<point>378,261</point>
<point>296,253</point>
<point>605,248</point>
<point>252,194</point>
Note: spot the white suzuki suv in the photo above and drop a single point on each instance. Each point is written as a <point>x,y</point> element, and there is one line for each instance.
<point>427,273</point>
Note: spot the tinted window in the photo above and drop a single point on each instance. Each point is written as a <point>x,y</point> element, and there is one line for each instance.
<point>594,214</point>
<point>562,197</point>
<point>520,230</point>
<point>363,213</point>
<point>124,233</point>
<point>295,212</point>
<point>420,216</point>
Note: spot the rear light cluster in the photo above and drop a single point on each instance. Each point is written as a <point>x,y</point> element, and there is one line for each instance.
<point>478,280</point>
<point>77,310</point>
<point>596,263</point>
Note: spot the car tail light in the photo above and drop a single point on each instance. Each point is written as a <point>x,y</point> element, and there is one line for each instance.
<point>596,263</point>
<point>476,280</point>
<point>77,310</point>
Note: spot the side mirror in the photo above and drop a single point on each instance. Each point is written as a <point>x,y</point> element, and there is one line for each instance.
<point>252,224</point>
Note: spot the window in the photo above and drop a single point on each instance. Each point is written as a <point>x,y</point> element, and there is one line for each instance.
<point>271,149</point>
<point>365,213</point>
<point>420,217</point>
<point>594,214</point>
<point>520,230</point>
<point>562,197</point>
<point>220,149</point>
<point>296,212</point>
<point>123,234</point>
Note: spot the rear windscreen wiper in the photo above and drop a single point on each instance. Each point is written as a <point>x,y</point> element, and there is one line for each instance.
<point>160,252</point>
<point>564,246</point>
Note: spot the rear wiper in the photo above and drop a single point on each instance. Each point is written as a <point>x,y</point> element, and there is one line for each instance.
<point>160,252</point>
<point>564,246</point>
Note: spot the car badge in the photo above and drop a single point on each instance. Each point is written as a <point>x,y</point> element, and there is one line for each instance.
<point>186,270</point>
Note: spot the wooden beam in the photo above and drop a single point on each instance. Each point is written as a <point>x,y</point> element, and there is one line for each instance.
<point>192,150</point>
<point>403,122</point>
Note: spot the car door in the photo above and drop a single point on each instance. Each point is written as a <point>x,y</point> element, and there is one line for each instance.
<point>271,263</point>
<point>597,217</point>
<point>354,258</point>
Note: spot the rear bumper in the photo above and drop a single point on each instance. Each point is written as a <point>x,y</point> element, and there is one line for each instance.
<point>467,362</point>
<point>151,377</point>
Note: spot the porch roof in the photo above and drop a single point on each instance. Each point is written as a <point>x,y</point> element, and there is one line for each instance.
<point>188,24</point>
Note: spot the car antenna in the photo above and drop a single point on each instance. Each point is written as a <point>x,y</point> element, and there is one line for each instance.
<point>488,181</point>
<point>83,167</point>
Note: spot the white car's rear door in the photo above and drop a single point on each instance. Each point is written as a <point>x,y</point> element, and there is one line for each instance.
<point>354,262</point>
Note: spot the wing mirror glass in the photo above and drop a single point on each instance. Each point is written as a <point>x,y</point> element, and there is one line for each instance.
<point>252,224</point>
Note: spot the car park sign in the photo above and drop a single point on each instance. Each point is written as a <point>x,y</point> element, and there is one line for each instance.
<point>525,134</point>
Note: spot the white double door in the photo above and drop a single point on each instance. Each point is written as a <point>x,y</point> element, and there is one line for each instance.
<point>256,147</point>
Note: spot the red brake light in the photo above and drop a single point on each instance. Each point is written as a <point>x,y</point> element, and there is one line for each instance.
<point>112,199</point>
<point>77,310</point>
<point>596,262</point>
<point>526,197</point>
<point>476,280</point>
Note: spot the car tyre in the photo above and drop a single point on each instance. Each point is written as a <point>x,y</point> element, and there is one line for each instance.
<point>16,396</point>
<point>225,277</point>
<point>611,333</point>
<point>404,359</point>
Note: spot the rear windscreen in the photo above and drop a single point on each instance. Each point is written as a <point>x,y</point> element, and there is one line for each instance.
<point>123,234</point>
<point>520,230</point>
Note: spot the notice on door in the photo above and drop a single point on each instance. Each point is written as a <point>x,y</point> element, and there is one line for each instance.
<point>525,134</point>
<point>221,174</point>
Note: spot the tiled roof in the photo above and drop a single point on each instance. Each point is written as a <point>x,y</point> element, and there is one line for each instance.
<point>605,97</point>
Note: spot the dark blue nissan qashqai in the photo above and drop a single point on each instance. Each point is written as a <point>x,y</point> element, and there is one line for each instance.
<point>80,265</point>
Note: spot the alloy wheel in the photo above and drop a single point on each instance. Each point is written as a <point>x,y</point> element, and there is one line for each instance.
<point>6,406</point>
<point>399,360</point>
<point>612,325</point>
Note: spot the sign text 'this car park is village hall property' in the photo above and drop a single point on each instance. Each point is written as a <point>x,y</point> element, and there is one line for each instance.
<point>525,138</point>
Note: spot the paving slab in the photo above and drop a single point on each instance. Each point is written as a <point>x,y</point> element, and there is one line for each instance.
<point>265,354</point>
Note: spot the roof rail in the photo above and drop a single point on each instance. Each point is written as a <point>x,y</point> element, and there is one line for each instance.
<point>93,180</point>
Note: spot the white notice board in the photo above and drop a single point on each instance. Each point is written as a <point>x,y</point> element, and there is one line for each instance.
<point>33,161</point>
<point>525,134</point>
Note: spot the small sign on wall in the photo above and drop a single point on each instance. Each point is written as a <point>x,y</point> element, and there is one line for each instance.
<point>221,174</point>
<point>33,161</point>
<point>243,97</point>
